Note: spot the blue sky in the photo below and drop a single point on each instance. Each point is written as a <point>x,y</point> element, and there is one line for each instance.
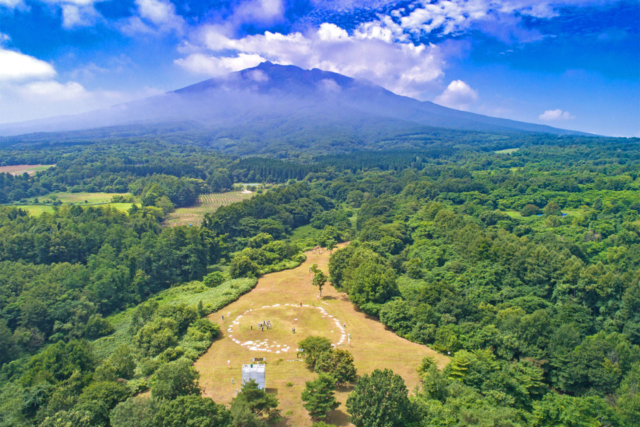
<point>568,63</point>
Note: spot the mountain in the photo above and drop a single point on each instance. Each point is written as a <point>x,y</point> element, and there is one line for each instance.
<point>253,109</point>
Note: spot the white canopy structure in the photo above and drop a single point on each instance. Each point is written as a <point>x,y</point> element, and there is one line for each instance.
<point>254,372</point>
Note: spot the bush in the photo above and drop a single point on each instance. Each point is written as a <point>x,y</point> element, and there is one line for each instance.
<point>98,327</point>
<point>203,330</point>
<point>213,280</point>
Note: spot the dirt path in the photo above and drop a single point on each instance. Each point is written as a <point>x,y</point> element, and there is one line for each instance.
<point>372,345</point>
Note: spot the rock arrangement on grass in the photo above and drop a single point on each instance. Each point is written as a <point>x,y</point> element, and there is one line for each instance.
<point>273,347</point>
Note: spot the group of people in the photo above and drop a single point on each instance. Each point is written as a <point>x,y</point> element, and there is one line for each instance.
<point>264,324</point>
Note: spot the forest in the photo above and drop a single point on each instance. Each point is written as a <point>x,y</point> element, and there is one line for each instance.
<point>522,265</point>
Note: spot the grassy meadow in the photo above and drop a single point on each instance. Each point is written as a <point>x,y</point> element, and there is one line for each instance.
<point>207,203</point>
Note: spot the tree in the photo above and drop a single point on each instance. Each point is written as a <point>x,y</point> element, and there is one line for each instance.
<point>134,412</point>
<point>530,210</point>
<point>121,364</point>
<point>156,336</point>
<point>242,266</point>
<point>331,244</point>
<point>372,282</point>
<point>259,401</point>
<point>380,400</point>
<point>243,416</point>
<point>192,411</point>
<point>175,379</point>
<point>319,396</point>
<point>629,397</point>
<point>319,279</point>
<point>69,419</point>
<point>567,411</point>
<point>552,208</point>
<point>312,347</point>
<point>8,348</point>
<point>338,363</point>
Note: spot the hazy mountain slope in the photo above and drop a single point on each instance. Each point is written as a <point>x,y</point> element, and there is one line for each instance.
<point>272,104</point>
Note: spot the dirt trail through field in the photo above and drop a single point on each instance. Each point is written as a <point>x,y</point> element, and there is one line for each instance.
<point>372,345</point>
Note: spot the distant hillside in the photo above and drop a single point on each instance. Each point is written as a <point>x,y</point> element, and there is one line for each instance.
<point>272,108</point>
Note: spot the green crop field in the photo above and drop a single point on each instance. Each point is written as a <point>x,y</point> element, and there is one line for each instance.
<point>206,203</point>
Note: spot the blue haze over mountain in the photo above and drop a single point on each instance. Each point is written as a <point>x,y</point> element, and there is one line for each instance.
<point>272,103</point>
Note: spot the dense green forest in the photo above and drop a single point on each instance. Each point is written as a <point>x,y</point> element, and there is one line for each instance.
<point>523,265</point>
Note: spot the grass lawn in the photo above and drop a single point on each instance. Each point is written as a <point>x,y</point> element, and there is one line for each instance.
<point>206,203</point>
<point>372,345</point>
<point>20,169</point>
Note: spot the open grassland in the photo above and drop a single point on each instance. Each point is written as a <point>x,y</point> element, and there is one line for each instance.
<point>20,169</point>
<point>37,210</point>
<point>206,203</point>
<point>372,345</point>
<point>81,199</point>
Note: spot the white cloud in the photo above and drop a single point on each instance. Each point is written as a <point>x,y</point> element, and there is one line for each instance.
<point>78,14</point>
<point>154,17</point>
<point>29,90</point>
<point>402,67</point>
<point>458,95</point>
<point>558,114</point>
<point>4,38</point>
<point>53,91</point>
<point>199,63</point>
<point>258,11</point>
<point>10,3</point>
<point>158,12</point>
<point>499,18</point>
<point>17,66</point>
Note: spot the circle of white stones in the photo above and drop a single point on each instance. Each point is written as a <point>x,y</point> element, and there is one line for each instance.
<point>276,348</point>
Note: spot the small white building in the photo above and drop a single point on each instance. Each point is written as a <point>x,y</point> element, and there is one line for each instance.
<point>254,372</point>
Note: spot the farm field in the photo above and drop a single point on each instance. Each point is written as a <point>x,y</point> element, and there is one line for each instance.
<point>278,298</point>
<point>206,203</point>
<point>20,169</point>
<point>92,199</point>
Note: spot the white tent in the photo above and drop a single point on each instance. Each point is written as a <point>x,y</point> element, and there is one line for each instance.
<point>254,372</point>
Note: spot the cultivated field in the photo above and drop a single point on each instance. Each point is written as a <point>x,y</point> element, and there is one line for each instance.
<point>206,203</point>
<point>277,298</point>
<point>20,169</point>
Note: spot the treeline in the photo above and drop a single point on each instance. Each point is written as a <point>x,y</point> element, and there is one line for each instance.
<point>276,213</point>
